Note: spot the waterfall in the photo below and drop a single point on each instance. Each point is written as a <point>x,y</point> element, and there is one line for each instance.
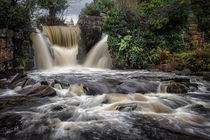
<point>60,48</point>
<point>42,53</point>
<point>99,56</point>
<point>62,36</point>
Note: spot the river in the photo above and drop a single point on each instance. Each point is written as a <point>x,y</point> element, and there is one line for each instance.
<point>107,104</point>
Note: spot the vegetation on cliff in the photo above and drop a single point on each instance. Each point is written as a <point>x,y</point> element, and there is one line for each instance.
<point>144,33</point>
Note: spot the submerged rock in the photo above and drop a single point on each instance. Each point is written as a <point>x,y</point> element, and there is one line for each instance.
<point>137,87</point>
<point>127,107</point>
<point>57,108</point>
<point>141,127</point>
<point>177,88</point>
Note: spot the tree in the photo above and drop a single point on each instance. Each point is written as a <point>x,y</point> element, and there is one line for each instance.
<point>54,6</point>
<point>15,14</point>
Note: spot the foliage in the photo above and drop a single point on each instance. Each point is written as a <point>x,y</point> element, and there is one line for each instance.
<point>150,32</point>
<point>201,9</point>
<point>15,14</point>
<point>54,6</point>
<point>97,7</point>
<point>196,60</point>
<point>163,54</point>
<point>154,26</point>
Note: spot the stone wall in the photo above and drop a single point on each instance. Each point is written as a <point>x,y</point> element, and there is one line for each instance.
<point>6,49</point>
<point>196,38</point>
<point>23,51</point>
<point>91,32</point>
<point>16,52</point>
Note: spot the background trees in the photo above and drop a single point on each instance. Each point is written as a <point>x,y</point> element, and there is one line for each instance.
<point>15,14</point>
<point>53,6</point>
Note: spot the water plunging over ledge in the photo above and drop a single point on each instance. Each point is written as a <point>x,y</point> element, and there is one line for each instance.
<point>60,48</point>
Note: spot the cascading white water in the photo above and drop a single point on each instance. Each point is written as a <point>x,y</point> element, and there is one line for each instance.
<point>63,50</point>
<point>64,56</point>
<point>42,53</point>
<point>99,56</point>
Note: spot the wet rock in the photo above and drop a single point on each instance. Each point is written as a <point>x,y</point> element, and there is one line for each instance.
<point>177,88</point>
<point>177,79</point>
<point>137,87</point>
<point>20,103</point>
<point>63,85</point>
<point>206,76</point>
<point>181,79</point>
<point>20,82</point>
<point>57,108</point>
<point>38,91</point>
<point>140,128</point>
<point>127,107</point>
<point>91,90</point>
<point>198,108</point>
<point>18,76</point>
<point>58,86</point>
<point>3,85</point>
<point>45,83</point>
<point>9,123</point>
<point>29,82</point>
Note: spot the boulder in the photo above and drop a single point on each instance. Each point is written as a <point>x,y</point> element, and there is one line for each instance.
<point>177,88</point>
<point>38,91</point>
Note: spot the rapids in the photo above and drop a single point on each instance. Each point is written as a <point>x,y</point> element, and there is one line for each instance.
<point>106,104</point>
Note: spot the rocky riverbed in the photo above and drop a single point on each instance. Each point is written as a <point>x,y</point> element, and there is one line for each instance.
<point>85,103</point>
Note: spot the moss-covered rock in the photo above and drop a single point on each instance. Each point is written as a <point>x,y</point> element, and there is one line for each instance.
<point>177,88</point>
